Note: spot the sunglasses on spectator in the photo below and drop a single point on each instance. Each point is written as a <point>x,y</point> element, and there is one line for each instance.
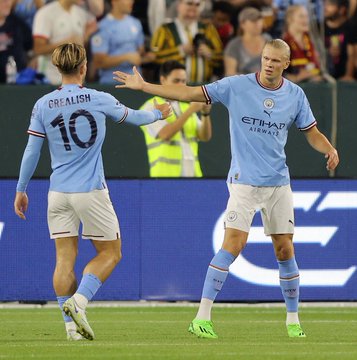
<point>192,3</point>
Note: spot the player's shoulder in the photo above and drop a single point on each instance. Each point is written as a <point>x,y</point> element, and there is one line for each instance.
<point>98,94</point>
<point>293,88</point>
<point>241,79</point>
<point>43,99</point>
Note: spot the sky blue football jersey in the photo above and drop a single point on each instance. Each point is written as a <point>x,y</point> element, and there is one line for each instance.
<point>117,37</point>
<point>73,120</point>
<point>259,119</point>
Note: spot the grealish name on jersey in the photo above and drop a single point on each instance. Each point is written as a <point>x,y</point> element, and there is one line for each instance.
<point>72,100</point>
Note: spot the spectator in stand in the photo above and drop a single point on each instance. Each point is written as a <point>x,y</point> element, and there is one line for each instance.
<point>221,18</point>
<point>171,5</point>
<point>158,13</point>
<point>265,6</point>
<point>56,23</point>
<point>189,41</point>
<point>338,41</point>
<point>315,10</point>
<point>173,143</point>
<point>26,9</point>
<point>163,11</point>
<point>95,7</point>
<point>119,42</point>
<point>15,39</point>
<point>304,64</point>
<point>243,54</point>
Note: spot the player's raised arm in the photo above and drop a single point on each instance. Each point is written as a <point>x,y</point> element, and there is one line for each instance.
<point>136,82</point>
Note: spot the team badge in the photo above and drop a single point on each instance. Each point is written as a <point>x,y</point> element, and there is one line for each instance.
<point>232,216</point>
<point>269,103</point>
<point>97,40</point>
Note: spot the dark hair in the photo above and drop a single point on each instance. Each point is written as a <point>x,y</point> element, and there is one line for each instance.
<point>340,3</point>
<point>224,7</point>
<point>167,67</point>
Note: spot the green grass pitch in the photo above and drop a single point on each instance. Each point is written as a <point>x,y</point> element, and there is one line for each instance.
<point>245,333</point>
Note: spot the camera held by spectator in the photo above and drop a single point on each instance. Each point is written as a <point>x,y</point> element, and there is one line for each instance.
<point>199,40</point>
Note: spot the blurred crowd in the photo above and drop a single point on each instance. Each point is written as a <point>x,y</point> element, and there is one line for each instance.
<point>211,38</point>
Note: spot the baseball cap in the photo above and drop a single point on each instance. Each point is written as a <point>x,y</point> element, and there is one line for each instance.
<point>249,13</point>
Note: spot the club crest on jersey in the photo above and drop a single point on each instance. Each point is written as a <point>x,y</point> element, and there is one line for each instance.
<point>269,103</point>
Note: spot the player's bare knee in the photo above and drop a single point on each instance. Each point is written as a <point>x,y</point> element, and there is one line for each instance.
<point>112,258</point>
<point>235,244</point>
<point>283,253</point>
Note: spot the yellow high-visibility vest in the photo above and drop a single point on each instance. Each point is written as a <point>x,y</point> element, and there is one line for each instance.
<point>165,157</point>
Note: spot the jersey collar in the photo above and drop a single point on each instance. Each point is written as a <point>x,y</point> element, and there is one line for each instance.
<point>257,74</point>
<point>70,85</point>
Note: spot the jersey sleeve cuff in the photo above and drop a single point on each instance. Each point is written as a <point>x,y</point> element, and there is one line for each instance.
<point>36,133</point>
<point>309,126</point>
<point>205,93</point>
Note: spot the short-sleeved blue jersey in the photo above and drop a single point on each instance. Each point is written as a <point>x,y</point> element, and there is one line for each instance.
<point>117,37</point>
<point>259,121</point>
<point>73,120</point>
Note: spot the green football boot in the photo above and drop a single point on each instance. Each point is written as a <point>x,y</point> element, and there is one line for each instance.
<point>202,329</point>
<point>295,331</point>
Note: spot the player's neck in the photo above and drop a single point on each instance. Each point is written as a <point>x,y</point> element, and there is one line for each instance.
<point>72,80</point>
<point>270,83</point>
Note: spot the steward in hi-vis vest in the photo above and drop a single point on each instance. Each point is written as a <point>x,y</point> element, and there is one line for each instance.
<point>177,156</point>
<point>173,144</point>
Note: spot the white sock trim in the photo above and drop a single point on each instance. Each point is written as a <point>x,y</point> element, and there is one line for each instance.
<point>292,318</point>
<point>204,311</point>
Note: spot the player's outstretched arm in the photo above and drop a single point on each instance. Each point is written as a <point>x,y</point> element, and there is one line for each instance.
<point>320,143</point>
<point>136,82</point>
<point>144,117</point>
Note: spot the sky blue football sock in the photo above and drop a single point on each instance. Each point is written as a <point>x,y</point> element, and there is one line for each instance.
<point>217,273</point>
<point>61,300</point>
<point>89,286</point>
<point>289,283</point>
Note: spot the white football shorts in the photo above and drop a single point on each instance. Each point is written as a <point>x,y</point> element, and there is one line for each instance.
<point>274,202</point>
<point>93,209</point>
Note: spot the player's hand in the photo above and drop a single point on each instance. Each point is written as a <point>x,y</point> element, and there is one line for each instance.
<point>20,204</point>
<point>165,109</point>
<point>332,159</point>
<point>135,81</point>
